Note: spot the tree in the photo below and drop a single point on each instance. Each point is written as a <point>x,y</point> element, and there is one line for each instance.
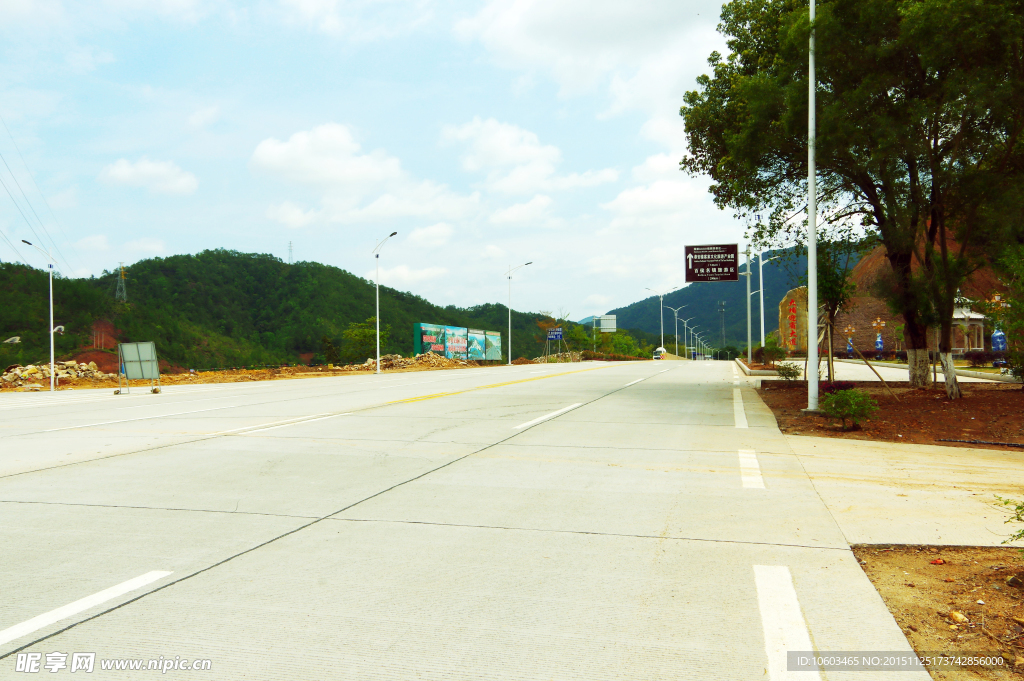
<point>361,339</point>
<point>1011,318</point>
<point>331,354</point>
<point>920,114</point>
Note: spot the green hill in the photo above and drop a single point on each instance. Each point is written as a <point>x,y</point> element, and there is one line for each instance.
<point>225,308</point>
<point>701,301</point>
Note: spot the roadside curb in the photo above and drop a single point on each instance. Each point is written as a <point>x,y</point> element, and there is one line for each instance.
<point>755,372</point>
<point>959,372</point>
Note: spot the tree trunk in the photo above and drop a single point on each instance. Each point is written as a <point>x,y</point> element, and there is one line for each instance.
<point>946,358</point>
<point>949,369</point>
<point>920,374</point>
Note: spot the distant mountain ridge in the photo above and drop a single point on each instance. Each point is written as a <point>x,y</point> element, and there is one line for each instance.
<point>701,300</point>
<point>225,308</point>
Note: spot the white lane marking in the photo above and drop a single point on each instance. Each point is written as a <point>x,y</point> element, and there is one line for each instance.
<point>632,383</point>
<point>141,418</point>
<point>783,622</point>
<point>750,471</point>
<point>663,371</point>
<point>548,416</point>
<point>296,423</point>
<point>261,425</point>
<point>737,409</point>
<point>46,619</point>
<point>161,404</point>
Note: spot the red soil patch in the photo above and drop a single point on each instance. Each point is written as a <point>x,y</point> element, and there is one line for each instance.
<point>989,412</point>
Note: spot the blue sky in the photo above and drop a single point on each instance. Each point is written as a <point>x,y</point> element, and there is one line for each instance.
<point>486,134</point>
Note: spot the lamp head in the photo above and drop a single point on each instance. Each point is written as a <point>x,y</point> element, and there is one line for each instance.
<point>392,234</point>
<point>26,242</point>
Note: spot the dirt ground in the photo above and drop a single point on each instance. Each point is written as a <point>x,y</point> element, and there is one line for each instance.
<point>237,376</point>
<point>988,412</point>
<point>962,605</point>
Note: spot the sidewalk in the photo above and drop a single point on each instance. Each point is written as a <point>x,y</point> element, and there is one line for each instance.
<point>882,493</point>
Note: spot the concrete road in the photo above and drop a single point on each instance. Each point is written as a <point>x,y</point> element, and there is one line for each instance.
<point>593,521</point>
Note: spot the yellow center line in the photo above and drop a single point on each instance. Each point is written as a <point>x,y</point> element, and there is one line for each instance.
<point>493,385</point>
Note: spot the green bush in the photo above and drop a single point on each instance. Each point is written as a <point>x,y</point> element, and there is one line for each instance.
<point>848,405</point>
<point>1016,516</point>
<point>788,371</point>
<point>773,354</point>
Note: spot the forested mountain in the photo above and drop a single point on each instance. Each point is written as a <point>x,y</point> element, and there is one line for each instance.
<point>225,308</point>
<point>701,301</point>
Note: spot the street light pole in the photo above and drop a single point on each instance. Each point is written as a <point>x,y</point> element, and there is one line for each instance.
<point>693,336</point>
<point>49,269</point>
<point>509,275</point>
<point>675,312</point>
<point>661,310</point>
<point>760,278</point>
<point>376,255</point>
<point>750,350</point>
<point>812,227</point>
<point>685,338</point>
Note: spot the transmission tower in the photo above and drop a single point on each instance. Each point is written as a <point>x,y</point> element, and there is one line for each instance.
<point>721,310</point>
<point>121,294</point>
<point>289,252</point>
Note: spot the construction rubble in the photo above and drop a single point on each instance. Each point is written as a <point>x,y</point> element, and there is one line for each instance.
<point>18,376</point>
<point>427,360</point>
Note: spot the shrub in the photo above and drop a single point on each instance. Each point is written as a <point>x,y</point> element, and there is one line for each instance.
<point>978,358</point>
<point>829,387</point>
<point>788,371</point>
<point>773,354</point>
<point>1016,516</point>
<point>848,405</point>
<point>1015,362</point>
<point>901,355</point>
<point>759,355</point>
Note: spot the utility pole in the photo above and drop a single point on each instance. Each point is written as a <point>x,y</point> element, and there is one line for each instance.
<point>121,293</point>
<point>289,252</point>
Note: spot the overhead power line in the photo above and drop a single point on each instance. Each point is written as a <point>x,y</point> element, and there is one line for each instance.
<point>43,196</point>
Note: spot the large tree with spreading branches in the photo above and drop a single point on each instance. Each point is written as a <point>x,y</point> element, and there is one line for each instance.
<point>919,141</point>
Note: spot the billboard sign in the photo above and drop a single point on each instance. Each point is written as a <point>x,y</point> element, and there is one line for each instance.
<point>456,342</point>
<point>493,347</point>
<point>555,333</point>
<point>717,262</point>
<point>477,344</point>
<point>429,338</point>
<point>605,323</point>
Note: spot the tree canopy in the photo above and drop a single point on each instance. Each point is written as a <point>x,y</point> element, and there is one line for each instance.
<point>920,114</point>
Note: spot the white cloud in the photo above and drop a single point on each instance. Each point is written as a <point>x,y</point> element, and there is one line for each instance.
<point>515,160</point>
<point>327,155</point>
<point>86,59</point>
<point>145,246</point>
<point>290,215</point>
<point>361,20</point>
<point>402,275</point>
<point>97,243</point>
<point>432,236</point>
<point>65,199</point>
<point>663,202</point>
<point>530,211</point>
<point>204,117</point>
<point>597,300</point>
<point>645,54</point>
<point>658,167</point>
<point>492,252</point>
<point>357,186</point>
<point>164,177</point>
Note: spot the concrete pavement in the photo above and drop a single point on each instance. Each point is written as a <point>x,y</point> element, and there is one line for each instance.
<point>602,521</point>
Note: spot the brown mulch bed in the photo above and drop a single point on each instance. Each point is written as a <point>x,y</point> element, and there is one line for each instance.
<point>988,412</point>
<point>971,582</point>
